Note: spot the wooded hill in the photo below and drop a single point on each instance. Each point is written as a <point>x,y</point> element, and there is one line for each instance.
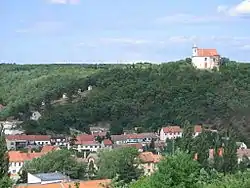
<point>141,95</point>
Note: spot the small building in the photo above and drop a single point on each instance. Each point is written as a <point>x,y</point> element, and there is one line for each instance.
<point>241,145</point>
<point>133,138</point>
<point>149,162</point>
<point>47,178</point>
<point>205,58</point>
<point>15,142</point>
<point>170,132</point>
<point>197,130</point>
<point>35,116</point>
<point>106,144</point>
<point>59,140</point>
<point>17,160</point>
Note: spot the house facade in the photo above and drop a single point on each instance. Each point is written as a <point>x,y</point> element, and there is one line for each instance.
<point>133,138</point>
<point>170,132</point>
<point>15,142</point>
<point>148,162</point>
<point>17,160</point>
<point>205,58</point>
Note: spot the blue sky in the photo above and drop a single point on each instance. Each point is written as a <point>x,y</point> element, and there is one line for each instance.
<point>46,31</point>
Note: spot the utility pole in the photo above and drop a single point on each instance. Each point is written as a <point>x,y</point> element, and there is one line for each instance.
<point>173,147</point>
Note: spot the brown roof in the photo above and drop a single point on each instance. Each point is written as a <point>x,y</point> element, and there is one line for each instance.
<point>48,148</point>
<point>85,138</point>
<point>149,157</point>
<point>207,52</point>
<point>83,184</point>
<point>172,129</point>
<point>17,156</point>
<point>28,137</point>
<point>107,142</point>
<point>133,136</point>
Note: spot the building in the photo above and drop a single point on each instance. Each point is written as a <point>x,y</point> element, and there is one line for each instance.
<point>48,148</point>
<point>35,116</point>
<point>149,162</point>
<point>197,130</point>
<point>133,138</point>
<point>205,58</point>
<point>15,142</point>
<point>17,160</point>
<point>241,145</point>
<point>10,127</point>
<point>85,142</point>
<point>170,132</point>
<point>46,178</point>
<point>59,140</point>
<point>107,144</point>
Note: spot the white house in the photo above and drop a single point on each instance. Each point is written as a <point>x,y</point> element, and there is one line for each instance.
<point>17,160</point>
<point>205,58</point>
<point>170,132</point>
<point>35,116</point>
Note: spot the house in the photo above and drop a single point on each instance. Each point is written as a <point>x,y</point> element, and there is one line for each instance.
<point>241,153</point>
<point>59,140</point>
<point>205,58</point>
<point>22,141</point>
<point>47,149</point>
<point>107,144</point>
<point>82,184</point>
<point>46,178</point>
<point>133,138</point>
<point>138,146</point>
<point>35,116</point>
<point>10,127</point>
<point>241,145</point>
<point>170,132</point>
<point>86,142</point>
<point>17,160</point>
<point>197,130</point>
<point>149,162</point>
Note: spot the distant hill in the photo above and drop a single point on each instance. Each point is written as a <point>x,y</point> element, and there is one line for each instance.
<point>142,95</point>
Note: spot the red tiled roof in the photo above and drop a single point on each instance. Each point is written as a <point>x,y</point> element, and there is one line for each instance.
<point>197,128</point>
<point>85,137</point>
<point>207,52</point>
<point>172,129</point>
<point>17,156</point>
<point>92,142</point>
<point>48,148</point>
<point>149,157</point>
<point>28,137</point>
<point>107,142</point>
<point>83,184</point>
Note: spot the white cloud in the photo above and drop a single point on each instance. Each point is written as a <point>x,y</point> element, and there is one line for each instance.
<point>190,19</point>
<point>64,1</point>
<point>241,9</point>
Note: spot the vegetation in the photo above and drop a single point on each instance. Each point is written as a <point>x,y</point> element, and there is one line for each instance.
<point>61,161</point>
<point>5,181</point>
<point>141,95</point>
<point>120,164</point>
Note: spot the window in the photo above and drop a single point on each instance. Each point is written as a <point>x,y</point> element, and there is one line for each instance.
<point>148,164</point>
<point>205,59</point>
<point>20,164</point>
<point>14,171</point>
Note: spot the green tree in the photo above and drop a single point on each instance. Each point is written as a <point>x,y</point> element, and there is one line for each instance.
<point>120,162</point>
<point>5,181</point>
<point>61,161</point>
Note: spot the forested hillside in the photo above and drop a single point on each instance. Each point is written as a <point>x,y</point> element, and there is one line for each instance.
<point>144,95</point>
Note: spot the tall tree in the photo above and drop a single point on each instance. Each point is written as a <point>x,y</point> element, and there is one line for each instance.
<point>4,162</point>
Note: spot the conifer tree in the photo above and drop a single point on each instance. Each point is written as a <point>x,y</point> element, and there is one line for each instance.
<point>4,162</point>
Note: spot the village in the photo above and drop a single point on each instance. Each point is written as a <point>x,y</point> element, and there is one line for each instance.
<point>89,145</point>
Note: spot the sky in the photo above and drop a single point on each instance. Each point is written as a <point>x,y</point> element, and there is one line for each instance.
<point>49,31</point>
